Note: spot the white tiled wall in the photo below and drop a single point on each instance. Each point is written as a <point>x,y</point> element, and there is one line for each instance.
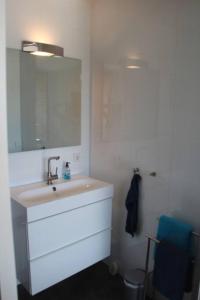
<point>148,117</point>
<point>31,166</point>
<point>67,24</point>
<point>131,115</point>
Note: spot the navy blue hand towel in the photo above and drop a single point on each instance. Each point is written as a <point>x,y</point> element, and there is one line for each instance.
<point>170,270</point>
<point>132,205</point>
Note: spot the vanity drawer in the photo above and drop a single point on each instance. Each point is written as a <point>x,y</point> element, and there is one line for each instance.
<point>56,266</point>
<point>52,233</point>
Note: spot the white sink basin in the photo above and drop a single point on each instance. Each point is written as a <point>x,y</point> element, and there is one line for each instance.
<point>81,189</point>
<point>40,192</point>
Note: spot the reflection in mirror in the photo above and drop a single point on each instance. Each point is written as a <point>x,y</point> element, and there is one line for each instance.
<point>43,101</point>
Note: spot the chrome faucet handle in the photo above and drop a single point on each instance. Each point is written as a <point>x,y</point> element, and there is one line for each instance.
<point>50,176</point>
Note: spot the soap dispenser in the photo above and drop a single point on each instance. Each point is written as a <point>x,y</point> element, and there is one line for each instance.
<point>67,171</point>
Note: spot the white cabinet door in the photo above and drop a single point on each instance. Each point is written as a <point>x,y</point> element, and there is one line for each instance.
<point>56,266</point>
<point>52,233</point>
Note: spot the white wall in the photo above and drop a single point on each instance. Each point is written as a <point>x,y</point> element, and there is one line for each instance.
<point>147,118</point>
<point>7,263</point>
<point>65,23</point>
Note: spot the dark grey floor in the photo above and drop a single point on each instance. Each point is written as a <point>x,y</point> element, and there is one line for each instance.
<point>94,283</point>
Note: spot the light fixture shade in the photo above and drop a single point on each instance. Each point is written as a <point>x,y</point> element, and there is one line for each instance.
<point>41,49</point>
<point>134,63</point>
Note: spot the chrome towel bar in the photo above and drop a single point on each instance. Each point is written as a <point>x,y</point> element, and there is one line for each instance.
<point>150,238</point>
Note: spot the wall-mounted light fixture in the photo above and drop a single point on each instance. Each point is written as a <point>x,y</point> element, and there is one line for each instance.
<point>133,67</point>
<point>134,63</point>
<point>42,49</point>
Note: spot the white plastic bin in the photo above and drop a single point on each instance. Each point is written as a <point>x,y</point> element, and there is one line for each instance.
<point>134,282</point>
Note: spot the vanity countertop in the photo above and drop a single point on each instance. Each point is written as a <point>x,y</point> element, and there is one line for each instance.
<point>39,193</point>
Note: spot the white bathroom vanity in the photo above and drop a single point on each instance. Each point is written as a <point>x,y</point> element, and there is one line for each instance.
<point>60,229</point>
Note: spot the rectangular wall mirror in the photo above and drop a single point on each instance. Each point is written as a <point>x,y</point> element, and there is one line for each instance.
<point>43,101</point>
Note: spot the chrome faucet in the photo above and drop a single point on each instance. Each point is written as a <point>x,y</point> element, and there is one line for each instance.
<point>50,176</point>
